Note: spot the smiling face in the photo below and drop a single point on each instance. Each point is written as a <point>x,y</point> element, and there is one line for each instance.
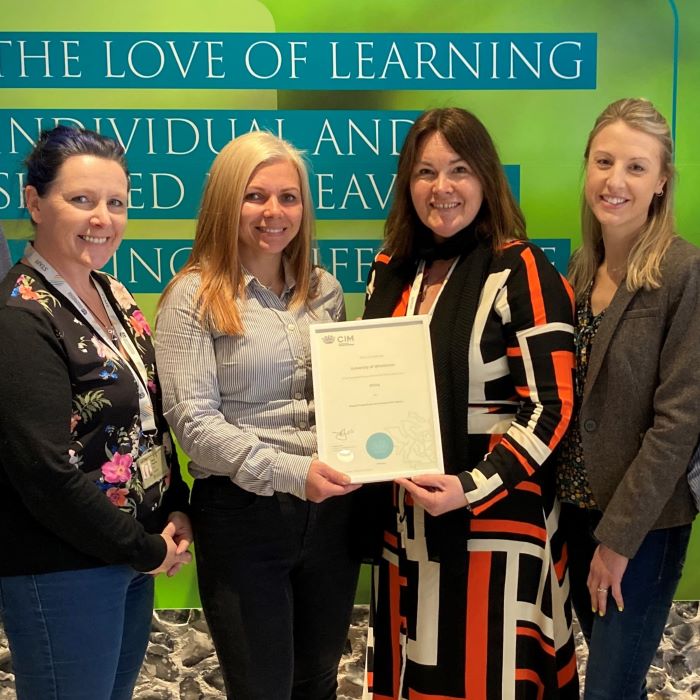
<point>445,191</point>
<point>80,219</point>
<point>271,212</point>
<point>623,173</point>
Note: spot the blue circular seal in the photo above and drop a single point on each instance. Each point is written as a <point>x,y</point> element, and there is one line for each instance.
<point>379,445</point>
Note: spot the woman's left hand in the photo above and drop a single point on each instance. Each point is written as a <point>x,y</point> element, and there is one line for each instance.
<point>437,493</point>
<point>605,577</point>
<point>179,528</point>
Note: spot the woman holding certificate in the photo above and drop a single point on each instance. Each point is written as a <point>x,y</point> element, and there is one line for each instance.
<point>471,591</point>
<point>276,577</point>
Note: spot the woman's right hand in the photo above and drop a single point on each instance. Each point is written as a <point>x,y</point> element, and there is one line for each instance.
<point>174,559</point>
<point>323,482</point>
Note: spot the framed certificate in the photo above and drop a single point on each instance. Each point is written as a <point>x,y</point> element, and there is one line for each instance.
<point>376,406</point>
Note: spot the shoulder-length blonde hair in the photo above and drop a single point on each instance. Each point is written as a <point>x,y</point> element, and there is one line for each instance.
<point>215,253</point>
<point>644,261</point>
<point>499,219</point>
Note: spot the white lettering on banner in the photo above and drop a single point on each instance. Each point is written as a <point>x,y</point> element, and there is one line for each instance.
<point>364,259</point>
<point>374,141</point>
<point>155,136</point>
<point>394,59</point>
<point>160,60</point>
<point>24,57</point>
<point>8,192</point>
<point>146,59</point>
<point>354,190</point>
<point>135,190</point>
<point>362,60</point>
<point>155,198</point>
<point>278,56</point>
<point>454,51</point>
<point>194,133</point>
<point>535,70</point>
<point>155,270</point>
<point>577,62</point>
<point>156,273</point>
<point>179,252</point>
<point>365,193</point>
<point>336,264</point>
<point>155,178</point>
<point>260,50</point>
<point>148,265</point>
<point>5,194</point>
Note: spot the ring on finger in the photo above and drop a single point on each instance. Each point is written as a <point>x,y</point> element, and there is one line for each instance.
<point>602,590</point>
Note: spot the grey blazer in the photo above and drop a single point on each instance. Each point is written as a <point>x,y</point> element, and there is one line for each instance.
<point>640,414</point>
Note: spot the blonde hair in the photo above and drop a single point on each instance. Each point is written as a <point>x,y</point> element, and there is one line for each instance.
<point>215,253</point>
<point>644,261</point>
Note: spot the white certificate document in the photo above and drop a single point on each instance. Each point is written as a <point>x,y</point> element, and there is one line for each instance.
<point>374,390</point>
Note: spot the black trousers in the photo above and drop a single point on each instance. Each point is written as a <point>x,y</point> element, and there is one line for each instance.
<point>277,583</point>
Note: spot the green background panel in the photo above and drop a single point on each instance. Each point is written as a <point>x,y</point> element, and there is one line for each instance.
<point>543,132</point>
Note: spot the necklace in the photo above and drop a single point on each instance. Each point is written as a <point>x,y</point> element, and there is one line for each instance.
<point>105,324</point>
<point>431,277</point>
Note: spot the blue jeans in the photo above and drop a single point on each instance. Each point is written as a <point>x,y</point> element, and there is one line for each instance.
<point>622,644</point>
<point>77,635</point>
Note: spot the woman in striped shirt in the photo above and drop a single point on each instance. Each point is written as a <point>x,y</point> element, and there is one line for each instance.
<point>276,577</point>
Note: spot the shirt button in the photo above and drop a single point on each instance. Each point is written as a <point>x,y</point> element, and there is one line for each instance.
<point>314,455</point>
<point>300,362</point>
<point>302,424</point>
<point>297,396</point>
<point>590,425</point>
<point>290,326</point>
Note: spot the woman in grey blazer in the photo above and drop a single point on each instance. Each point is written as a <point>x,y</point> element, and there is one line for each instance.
<point>621,477</point>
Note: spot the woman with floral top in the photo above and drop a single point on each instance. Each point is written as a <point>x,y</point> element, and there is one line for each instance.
<point>627,507</point>
<point>91,498</point>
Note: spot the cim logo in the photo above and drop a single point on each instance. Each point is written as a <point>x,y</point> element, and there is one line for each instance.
<point>344,340</point>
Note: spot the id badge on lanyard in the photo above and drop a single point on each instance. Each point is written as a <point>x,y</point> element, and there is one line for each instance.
<point>135,365</point>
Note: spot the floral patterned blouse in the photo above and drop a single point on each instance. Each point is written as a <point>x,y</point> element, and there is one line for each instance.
<point>572,481</point>
<point>70,435</point>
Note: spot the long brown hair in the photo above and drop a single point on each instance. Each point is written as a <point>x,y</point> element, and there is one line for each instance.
<point>644,261</point>
<point>499,219</point>
<point>215,255</point>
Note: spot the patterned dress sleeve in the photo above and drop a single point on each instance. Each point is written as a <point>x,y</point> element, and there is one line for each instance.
<point>535,309</point>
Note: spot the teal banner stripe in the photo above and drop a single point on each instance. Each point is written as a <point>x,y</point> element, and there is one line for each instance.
<point>145,266</point>
<point>299,61</point>
<point>352,154</point>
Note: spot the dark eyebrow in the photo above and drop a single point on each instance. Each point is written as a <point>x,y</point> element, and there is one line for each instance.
<point>459,159</point>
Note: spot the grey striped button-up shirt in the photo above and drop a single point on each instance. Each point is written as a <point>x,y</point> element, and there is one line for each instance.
<point>242,406</point>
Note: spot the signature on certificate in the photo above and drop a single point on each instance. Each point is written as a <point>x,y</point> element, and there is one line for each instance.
<point>343,433</point>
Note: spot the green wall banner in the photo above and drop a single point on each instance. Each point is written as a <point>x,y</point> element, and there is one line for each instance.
<point>175,82</point>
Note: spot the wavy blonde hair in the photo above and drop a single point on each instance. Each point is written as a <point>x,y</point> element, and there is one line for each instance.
<point>215,253</point>
<point>644,261</point>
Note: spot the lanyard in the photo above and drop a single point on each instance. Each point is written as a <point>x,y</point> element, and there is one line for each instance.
<point>136,366</point>
<point>418,283</point>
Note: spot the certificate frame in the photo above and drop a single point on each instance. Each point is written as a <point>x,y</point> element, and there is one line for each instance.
<point>376,403</point>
